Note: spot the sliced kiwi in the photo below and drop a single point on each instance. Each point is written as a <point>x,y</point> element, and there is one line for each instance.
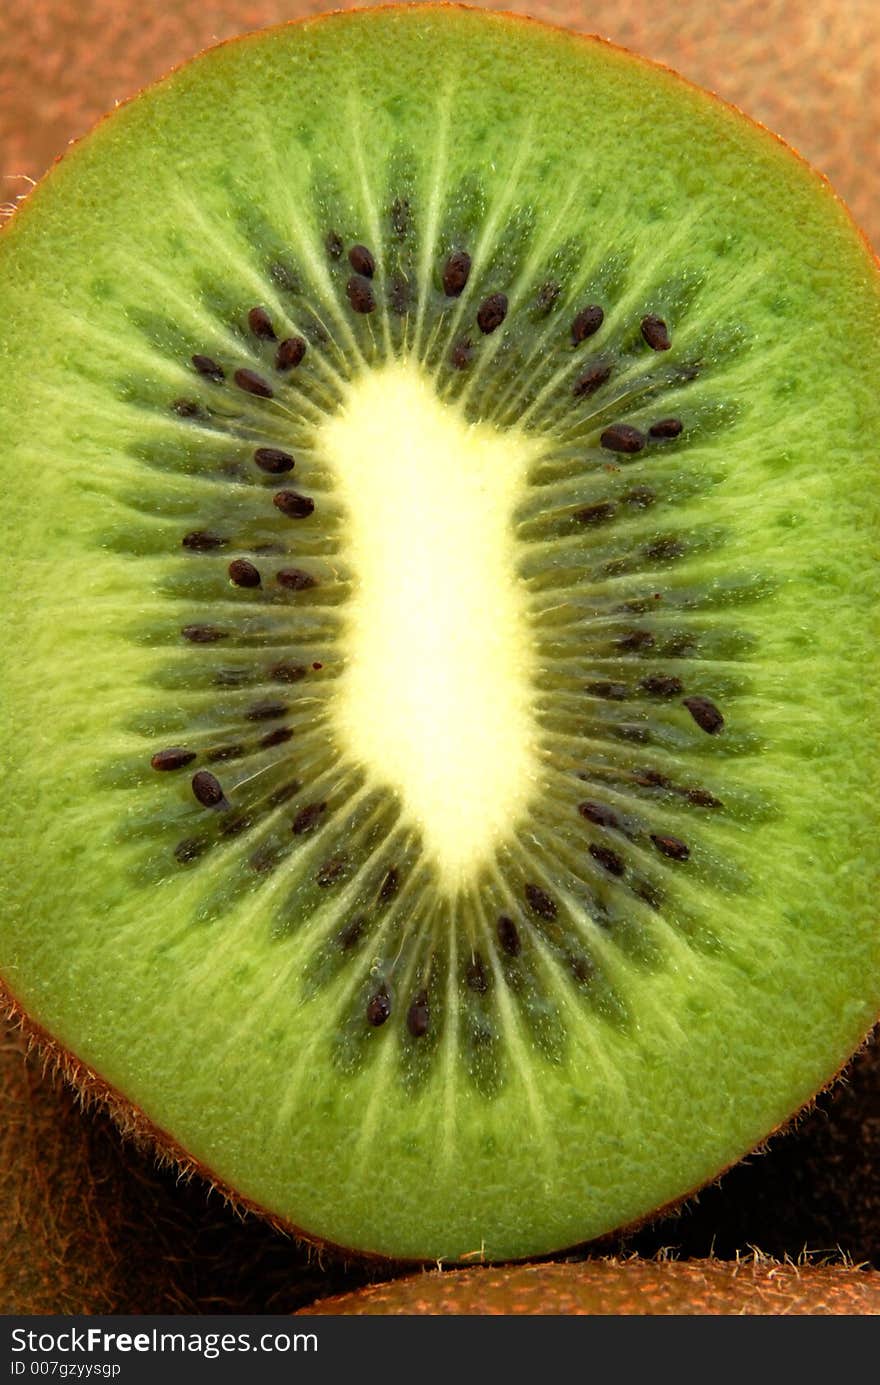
<point>440,512</point>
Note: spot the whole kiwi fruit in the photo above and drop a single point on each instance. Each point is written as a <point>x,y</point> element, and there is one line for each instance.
<point>442,604</point>
<point>631,1288</point>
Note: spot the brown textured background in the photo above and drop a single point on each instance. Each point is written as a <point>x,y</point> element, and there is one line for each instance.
<point>88,1225</point>
<point>810,69</point>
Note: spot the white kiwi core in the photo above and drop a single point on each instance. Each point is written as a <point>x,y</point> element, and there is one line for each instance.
<point>435,696</point>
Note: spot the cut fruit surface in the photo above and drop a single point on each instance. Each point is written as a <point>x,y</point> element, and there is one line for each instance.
<point>441,614</point>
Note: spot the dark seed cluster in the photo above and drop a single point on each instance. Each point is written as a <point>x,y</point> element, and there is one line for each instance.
<point>628,674</point>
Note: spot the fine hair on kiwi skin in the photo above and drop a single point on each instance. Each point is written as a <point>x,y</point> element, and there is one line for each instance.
<point>622,508</point>
<point>93,1223</point>
<point>622,1287</point>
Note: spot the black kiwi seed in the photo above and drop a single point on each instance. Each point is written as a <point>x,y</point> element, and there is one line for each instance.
<point>187,408</point>
<point>233,827</point>
<point>208,367</point>
<point>608,859</point>
<point>704,713</point>
<point>652,896</point>
<point>508,936</point>
<point>548,294</point>
<point>661,685</point>
<point>273,460</point>
<point>202,541</point>
<point>612,692</point>
<point>651,779</point>
<point>587,323</point>
<point>460,355</point>
<point>640,604</point>
<point>225,752</point>
<point>290,352</point>
<point>334,245</point>
<point>283,277</point>
<point>476,975</point>
<point>540,902</point>
<point>264,859</point>
<point>360,294</point>
<point>492,312</point>
<point>379,1008</point>
<point>581,968</point>
<point>666,428</point>
<point>361,261</point>
<point>598,813</point>
<point>287,673</point>
<point>293,505</point>
<point>655,332</point>
<point>260,324</point>
<point>331,871</point>
<point>243,573</point>
<point>203,634</point>
<point>351,933</point>
<point>672,847</point>
<point>279,736</point>
<point>266,711</point>
<point>284,793</point>
<point>252,383</point>
<point>173,758</point>
<point>295,580</point>
<point>634,640</point>
<point>207,789</point>
<point>455,273</point>
<point>399,294</point>
<point>598,513</point>
<point>418,1016</point>
<point>308,818</point>
<point>622,437</point>
<point>664,549</point>
<point>190,849</point>
<point>593,378</point>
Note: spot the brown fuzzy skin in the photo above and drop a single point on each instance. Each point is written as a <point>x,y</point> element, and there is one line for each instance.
<point>809,72</point>
<point>641,1288</point>
<point>90,1224</point>
<point>82,64</point>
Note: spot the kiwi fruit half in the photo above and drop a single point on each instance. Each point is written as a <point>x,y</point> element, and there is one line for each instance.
<point>441,614</point>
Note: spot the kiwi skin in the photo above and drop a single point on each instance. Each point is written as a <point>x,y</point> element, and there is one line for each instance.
<point>621,1288</point>
<point>89,1223</point>
<point>140,1129</point>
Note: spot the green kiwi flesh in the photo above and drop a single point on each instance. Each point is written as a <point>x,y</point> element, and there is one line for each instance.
<point>440,511</point>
